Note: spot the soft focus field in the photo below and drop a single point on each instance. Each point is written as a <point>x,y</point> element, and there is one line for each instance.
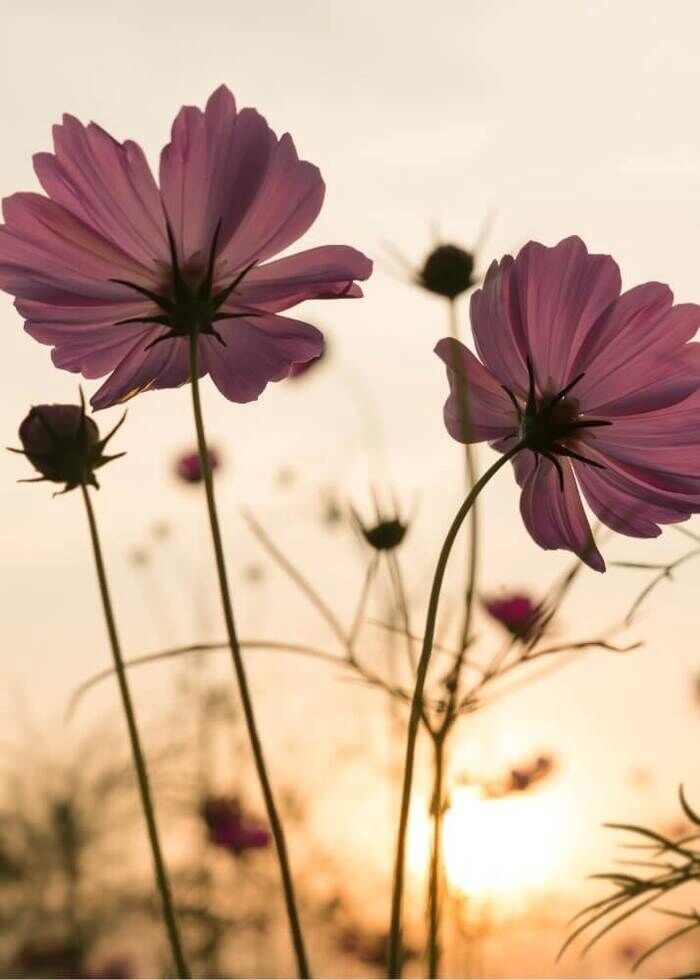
<point>428,123</point>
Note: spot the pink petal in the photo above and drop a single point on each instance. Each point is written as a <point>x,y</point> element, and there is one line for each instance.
<point>555,518</point>
<point>283,208</point>
<point>562,291</point>
<point>109,186</point>
<point>625,507</point>
<point>497,327</point>
<point>637,357</point>
<point>492,416</point>
<point>42,243</point>
<point>326,272</point>
<point>212,171</point>
<point>257,350</point>
<point>166,365</point>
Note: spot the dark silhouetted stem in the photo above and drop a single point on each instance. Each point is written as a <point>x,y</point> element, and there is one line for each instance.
<point>239,668</point>
<point>436,876</point>
<point>139,760</point>
<point>394,963</point>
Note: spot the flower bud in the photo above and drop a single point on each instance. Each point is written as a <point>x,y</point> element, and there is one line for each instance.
<point>63,444</point>
<point>519,614</point>
<point>386,534</point>
<point>188,467</point>
<point>447,271</point>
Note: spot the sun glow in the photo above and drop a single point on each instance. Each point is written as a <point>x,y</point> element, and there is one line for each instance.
<point>498,848</point>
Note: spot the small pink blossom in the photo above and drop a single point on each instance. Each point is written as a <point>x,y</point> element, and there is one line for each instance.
<point>117,272</point>
<point>517,612</point>
<point>188,466</point>
<point>602,386</point>
<point>228,828</point>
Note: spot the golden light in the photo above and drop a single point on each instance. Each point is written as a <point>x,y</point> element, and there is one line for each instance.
<point>495,848</point>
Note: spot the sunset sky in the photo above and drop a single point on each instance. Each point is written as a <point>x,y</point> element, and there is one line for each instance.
<point>553,118</point>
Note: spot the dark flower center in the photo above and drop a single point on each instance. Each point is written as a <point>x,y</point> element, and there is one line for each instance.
<point>548,425</point>
<point>448,271</point>
<point>190,305</point>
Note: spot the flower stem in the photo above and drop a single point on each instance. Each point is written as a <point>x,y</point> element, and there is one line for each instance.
<point>471,476</point>
<point>239,668</point>
<point>394,964</point>
<point>139,760</point>
<point>435,882</point>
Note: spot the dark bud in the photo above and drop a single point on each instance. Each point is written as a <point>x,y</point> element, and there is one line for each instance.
<point>448,271</point>
<point>386,533</point>
<point>63,444</point>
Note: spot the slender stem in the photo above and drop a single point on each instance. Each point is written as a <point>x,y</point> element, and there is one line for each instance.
<point>436,862</point>
<point>471,476</point>
<point>139,760</point>
<point>272,814</point>
<point>394,969</point>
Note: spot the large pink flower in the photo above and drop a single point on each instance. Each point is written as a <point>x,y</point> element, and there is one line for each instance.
<point>603,387</point>
<point>116,273</point>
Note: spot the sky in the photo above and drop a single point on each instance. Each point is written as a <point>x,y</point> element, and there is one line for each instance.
<point>545,118</point>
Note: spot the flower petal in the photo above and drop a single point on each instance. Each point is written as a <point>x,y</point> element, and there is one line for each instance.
<point>257,350</point>
<point>626,507</point>
<point>42,242</point>
<point>166,365</point>
<point>109,186</point>
<point>491,414</point>
<point>326,272</point>
<point>497,327</point>
<point>638,356</point>
<point>554,516</point>
<point>562,291</point>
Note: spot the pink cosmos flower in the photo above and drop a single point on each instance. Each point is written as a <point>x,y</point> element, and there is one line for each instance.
<point>602,387</point>
<point>228,828</point>
<point>116,272</point>
<point>517,612</point>
<point>188,466</point>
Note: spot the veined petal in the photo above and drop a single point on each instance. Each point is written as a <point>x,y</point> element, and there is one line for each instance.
<point>491,415</point>
<point>257,350</point>
<point>562,292</point>
<point>109,186</point>
<point>554,516</point>
<point>327,272</point>
<point>497,327</point>
<point>166,365</point>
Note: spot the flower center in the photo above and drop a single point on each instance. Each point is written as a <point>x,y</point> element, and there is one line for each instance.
<point>548,425</point>
<point>190,305</point>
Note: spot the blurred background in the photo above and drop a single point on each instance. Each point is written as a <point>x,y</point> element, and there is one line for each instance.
<point>479,123</point>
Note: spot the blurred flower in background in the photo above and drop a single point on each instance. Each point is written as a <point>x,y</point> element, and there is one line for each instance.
<point>517,612</point>
<point>228,828</point>
<point>188,466</point>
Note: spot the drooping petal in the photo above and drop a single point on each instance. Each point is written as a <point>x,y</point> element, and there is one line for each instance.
<point>554,515</point>
<point>562,291</point>
<point>626,507</point>
<point>109,186</point>
<point>165,365</point>
<point>257,350</point>
<point>490,414</point>
<point>327,272</point>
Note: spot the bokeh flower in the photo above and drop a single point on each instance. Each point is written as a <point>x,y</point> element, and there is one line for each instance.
<point>63,444</point>
<point>228,828</point>
<point>517,612</point>
<point>385,534</point>
<point>602,388</point>
<point>116,273</point>
<point>188,466</point>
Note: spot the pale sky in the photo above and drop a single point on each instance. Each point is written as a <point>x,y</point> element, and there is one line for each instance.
<point>559,118</point>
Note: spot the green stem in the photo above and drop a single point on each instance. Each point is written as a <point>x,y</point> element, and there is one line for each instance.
<point>272,814</point>
<point>471,476</point>
<point>139,760</point>
<point>436,863</point>
<point>394,967</point>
